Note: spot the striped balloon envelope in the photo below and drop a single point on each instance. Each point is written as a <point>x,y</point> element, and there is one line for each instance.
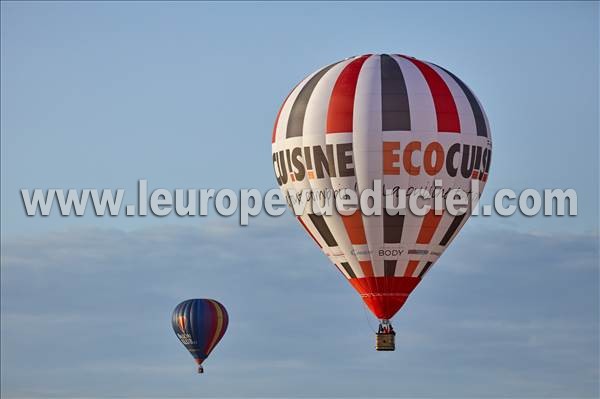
<point>200,324</point>
<point>389,118</point>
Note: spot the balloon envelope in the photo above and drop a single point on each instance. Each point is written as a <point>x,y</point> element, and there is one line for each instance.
<point>388,118</point>
<point>200,324</point>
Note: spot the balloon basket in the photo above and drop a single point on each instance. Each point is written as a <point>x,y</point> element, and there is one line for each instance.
<point>385,342</point>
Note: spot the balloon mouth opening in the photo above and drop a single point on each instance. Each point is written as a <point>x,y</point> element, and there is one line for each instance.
<point>384,296</point>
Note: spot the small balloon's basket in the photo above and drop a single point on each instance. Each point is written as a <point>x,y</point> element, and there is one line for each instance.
<point>385,341</point>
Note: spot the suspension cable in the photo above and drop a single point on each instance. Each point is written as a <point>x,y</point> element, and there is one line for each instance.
<point>367,318</point>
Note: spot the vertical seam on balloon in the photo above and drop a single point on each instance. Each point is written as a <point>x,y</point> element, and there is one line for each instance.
<point>334,223</point>
<point>445,107</point>
<point>372,253</point>
<point>354,224</point>
<point>320,227</point>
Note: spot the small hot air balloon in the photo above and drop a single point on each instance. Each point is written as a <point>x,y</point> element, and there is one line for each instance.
<point>388,118</point>
<point>200,324</point>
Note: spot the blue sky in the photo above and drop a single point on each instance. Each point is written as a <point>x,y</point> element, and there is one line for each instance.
<point>103,94</point>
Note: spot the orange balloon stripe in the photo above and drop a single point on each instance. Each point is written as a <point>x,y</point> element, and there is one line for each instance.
<point>367,268</point>
<point>410,269</point>
<point>354,227</point>
<point>429,226</point>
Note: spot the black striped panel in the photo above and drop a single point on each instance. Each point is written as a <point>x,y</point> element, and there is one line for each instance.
<point>477,111</point>
<point>348,269</point>
<point>395,111</point>
<point>296,120</point>
<point>392,228</point>
<point>323,230</point>
<point>427,266</point>
<point>452,228</point>
<point>389,268</point>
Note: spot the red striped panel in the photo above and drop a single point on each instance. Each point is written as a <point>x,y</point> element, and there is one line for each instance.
<point>367,268</point>
<point>445,107</point>
<point>221,321</point>
<point>308,231</point>
<point>428,227</point>
<point>355,229</point>
<point>411,267</point>
<point>212,319</point>
<point>341,103</point>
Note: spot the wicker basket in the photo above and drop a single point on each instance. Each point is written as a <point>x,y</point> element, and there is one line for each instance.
<point>385,342</point>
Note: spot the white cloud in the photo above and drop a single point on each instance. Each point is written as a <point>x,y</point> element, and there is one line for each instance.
<point>86,313</point>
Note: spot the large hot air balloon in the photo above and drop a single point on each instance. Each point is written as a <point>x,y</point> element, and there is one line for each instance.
<point>392,118</point>
<point>200,324</point>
